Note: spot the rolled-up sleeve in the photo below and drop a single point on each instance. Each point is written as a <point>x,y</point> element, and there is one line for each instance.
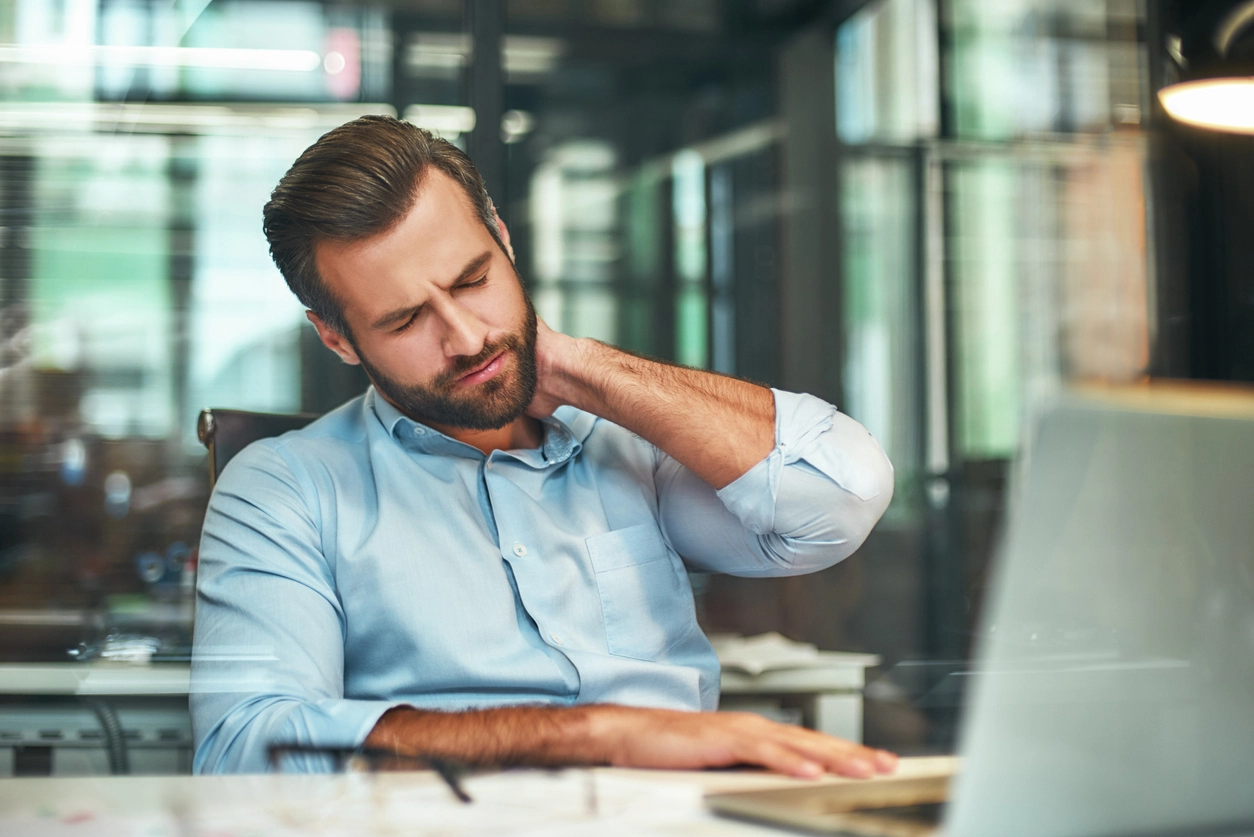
<point>268,657</point>
<point>810,503</point>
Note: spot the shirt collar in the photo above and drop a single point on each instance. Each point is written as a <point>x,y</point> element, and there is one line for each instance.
<point>564,434</point>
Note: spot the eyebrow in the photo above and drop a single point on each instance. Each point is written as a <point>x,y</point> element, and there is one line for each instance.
<point>401,314</point>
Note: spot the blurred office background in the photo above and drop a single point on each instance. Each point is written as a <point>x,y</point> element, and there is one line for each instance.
<point>934,213</point>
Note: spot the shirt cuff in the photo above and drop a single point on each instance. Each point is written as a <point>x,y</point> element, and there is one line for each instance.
<point>806,429</point>
<point>339,723</point>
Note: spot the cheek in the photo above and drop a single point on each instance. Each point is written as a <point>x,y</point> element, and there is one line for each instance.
<point>505,311</point>
<point>408,359</point>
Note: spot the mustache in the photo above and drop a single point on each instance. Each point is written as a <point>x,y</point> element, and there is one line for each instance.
<point>463,365</point>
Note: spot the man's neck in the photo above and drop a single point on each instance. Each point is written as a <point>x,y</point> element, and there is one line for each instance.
<point>522,432</point>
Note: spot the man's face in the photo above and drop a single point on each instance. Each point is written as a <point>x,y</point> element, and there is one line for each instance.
<point>436,314</point>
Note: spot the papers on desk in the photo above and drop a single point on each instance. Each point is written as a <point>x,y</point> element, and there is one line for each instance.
<point>773,652</point>
<point>764,652</point>
<point>519,803</point>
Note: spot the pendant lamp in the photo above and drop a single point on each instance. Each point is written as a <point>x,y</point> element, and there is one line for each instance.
<point>1214,58</point>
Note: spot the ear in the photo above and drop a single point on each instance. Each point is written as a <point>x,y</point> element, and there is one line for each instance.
<point>504,230</point>
<point>333,340</point>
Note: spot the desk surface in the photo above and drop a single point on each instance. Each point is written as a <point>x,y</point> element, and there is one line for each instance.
<point>604,801</point>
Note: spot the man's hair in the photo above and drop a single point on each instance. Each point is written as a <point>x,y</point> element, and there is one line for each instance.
<point>357,181</point>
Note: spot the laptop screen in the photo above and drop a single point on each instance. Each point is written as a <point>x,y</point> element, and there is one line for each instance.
<point>1114,689</point>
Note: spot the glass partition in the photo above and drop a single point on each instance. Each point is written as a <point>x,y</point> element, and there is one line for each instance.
<point>963,235</point>
<point>992,218</point>
<point>138,143</point>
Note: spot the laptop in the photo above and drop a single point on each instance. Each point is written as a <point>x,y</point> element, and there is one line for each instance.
<point>1113,689</point>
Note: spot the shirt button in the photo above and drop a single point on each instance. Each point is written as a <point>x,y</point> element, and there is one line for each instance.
<point>557,640</point>
<point>419,431</point>
<point>520,550</point>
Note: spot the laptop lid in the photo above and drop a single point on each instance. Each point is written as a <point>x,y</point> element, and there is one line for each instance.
<point>1114,686</point>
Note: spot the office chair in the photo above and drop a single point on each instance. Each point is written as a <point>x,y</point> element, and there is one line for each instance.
<point>227,432</point>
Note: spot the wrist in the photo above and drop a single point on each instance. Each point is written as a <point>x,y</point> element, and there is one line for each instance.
<point>606,728</point>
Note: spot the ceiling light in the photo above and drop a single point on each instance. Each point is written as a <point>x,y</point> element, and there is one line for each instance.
<point>1214,58</point>
<point>1222,104</point>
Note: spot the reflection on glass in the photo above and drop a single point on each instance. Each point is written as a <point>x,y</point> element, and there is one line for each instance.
<point>245,324</point>
<point>99,298</point>
<point>136,286</point>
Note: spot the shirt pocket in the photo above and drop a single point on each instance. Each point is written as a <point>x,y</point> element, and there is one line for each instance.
<point>646,603</point>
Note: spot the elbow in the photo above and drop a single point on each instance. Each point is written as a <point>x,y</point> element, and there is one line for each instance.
<point>862,513</point>
<point>867,486</point>
<point>882,469</point>
<point>822,520</point>
<point>842,537</point>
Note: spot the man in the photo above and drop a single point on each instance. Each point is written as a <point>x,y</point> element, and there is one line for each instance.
<point>480,558</point>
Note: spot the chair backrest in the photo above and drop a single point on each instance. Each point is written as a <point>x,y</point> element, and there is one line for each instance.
<point>227,432</point>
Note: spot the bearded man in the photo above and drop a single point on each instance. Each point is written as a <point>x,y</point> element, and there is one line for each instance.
<point>483,558</point>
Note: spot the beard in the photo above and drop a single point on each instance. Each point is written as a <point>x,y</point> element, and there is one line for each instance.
<point>489,405</point>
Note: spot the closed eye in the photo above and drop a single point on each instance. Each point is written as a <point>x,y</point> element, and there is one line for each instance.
<point>403,327</point>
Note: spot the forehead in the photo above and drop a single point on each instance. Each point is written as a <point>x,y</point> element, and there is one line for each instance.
<point>428,247</point>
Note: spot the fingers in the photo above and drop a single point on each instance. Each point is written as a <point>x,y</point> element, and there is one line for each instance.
<point>809,753</point>
<point>688,740</point>
<point>885,762</point>
<point>781,759</point>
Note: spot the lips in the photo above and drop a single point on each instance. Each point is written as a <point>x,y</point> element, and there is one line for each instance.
<point>483,373</point>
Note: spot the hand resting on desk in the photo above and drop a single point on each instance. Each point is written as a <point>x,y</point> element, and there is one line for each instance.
<point>623,736</point>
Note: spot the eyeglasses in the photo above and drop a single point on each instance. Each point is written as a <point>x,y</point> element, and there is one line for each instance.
<point>374,760</point>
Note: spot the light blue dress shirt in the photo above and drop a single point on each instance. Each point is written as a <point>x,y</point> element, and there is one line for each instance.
<point>368,561</point>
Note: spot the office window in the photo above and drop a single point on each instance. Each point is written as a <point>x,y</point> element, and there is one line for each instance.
<point>99,298</point>
<point>887,85</point>
<point>691,300</point>
<point>575,239</point>
<point>880,305</point>
<point>244,322</point>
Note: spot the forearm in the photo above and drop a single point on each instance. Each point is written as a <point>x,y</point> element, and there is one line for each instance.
<point>623,736</point>
<point>514,735</point>
<point>718,427</point>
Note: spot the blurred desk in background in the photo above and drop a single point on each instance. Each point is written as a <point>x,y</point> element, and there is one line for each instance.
<point>793,682</point>
<point>54,718</point>
<point>51,722</point>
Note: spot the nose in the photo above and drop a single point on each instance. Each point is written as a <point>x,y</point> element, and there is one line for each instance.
<point>464,333</point>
